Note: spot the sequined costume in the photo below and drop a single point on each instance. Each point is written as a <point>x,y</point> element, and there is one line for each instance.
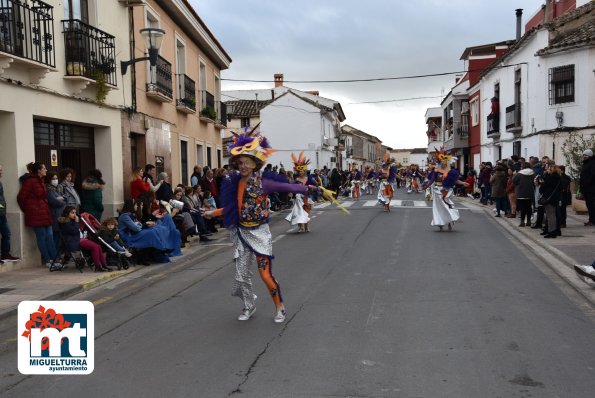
<point>246,216</point>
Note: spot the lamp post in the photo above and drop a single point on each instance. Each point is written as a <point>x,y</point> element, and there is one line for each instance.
<point>153,38</point>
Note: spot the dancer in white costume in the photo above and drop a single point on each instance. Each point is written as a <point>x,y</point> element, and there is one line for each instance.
<point>300,212</point>
<point>442,183</point>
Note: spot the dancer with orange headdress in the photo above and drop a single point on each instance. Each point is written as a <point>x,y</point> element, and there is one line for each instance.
<point>300,212</point>
<point>356,180</point>
<point>385,191</point>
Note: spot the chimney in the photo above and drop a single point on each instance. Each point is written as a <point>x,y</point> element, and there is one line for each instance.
<point>547,11</point>
<point>278,79</point>
<point>519,15</point>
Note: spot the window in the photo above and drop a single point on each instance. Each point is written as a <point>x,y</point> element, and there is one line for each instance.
<point>200,155</point>
<point>77,9</point>
<point>561,84</point>
<point>245,122</point>
<point>516,148</point>
<point>219,158</point>
<point>209,158</point>
<point>474,112</point>
<point>184,161</point>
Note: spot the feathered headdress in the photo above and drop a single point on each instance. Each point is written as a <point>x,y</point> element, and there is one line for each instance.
<point>250,144</point>
<point>301,162</point>
<point>442,155</point>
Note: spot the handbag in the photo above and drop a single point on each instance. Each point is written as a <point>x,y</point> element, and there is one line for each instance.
<point>542,201</point>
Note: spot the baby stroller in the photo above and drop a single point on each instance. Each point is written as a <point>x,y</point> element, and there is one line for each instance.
<point>90,227</point>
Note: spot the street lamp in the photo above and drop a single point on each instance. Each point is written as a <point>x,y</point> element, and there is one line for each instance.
<point>153,38</point>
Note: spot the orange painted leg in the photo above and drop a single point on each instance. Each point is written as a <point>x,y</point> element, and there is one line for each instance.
<point>266,274</point>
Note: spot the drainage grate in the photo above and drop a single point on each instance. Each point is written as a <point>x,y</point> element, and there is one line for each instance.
<point>5,289</point>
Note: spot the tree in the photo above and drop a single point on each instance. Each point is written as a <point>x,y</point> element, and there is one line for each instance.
<point>573,148</point>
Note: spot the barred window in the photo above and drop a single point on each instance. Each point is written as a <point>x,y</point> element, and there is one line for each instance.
<point>561,84</point>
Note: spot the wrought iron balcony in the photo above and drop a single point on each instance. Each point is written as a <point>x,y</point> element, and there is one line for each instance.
<point>463,131</point>
<point>493,124</point>
<point>513,118</point>
<point>90,52</point>
<point>207,105</point>
<point>160,81</point>
<point>27,30</point>
<point>223,118</point>
<point>186,101</point>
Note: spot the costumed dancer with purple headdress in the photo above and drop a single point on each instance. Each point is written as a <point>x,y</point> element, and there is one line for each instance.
<point>385,191</point>
<point>300,212</point>
<point>244,199</point>
<point>442,182</point>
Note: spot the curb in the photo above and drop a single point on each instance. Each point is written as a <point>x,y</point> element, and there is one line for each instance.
<point>562,257</point>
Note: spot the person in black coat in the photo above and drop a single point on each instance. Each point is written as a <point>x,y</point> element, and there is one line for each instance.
<point>550,196</point>
<point>587,184</point>
<point>565,196</point>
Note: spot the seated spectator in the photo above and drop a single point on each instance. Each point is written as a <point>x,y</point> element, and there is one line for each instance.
<point>109,233</point>
<point>70,233</point>
<point>160,234</point>
<point>193,222</point>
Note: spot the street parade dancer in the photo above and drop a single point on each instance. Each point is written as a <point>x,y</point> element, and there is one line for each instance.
<point>442,182</point>
<point>356,180</point>
<point>385,191</point>
<point>244,199</point>
<point>300,212</point>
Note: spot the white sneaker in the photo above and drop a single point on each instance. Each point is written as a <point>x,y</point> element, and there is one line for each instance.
<point>279,316</point>
<point>586,273</point>
<point>127,253</point>
<point>246,314</point>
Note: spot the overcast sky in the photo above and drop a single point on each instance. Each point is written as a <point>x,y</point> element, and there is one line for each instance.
<point>311,40</point>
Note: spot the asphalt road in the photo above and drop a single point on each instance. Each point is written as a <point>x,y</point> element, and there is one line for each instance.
<point>379,305</point>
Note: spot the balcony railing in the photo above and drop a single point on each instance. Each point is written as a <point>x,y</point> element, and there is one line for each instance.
<point>90,52</point>
<point>513,117</point>
<point>27,30</point>
<point>223,116</point>
<point>463,131</point>
<point>161,80</point>
<point>493,124</point>
<point>207,105</point>
<point>186,92</point>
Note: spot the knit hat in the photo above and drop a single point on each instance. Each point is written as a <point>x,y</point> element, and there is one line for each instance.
<point>588,153</point>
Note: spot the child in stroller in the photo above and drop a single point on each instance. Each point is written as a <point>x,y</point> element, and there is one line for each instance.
<point>106,238</point>
<point>71,233</point>
<point>109,233</point>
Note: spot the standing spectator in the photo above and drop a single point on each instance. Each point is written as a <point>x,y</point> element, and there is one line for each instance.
<point>219,176</point>
<point>92,200</point>
<point>208,183</point>
<point>33,201</point>
<point>524,191</point>
<point>587,184</point>
<point>149,177</point>
<point>138,185</point>
<point>486,187</point>
<point>4,228</point>
<point>56,202</point>
<point>165,191</point>
<point>566,198</point>
<point>510,192</point>
<point>66,188</point>
<point>550,190</point>
<point>538,169</point>
<point>335,181</point>
<point>196,176</point>
<point>498,183</point>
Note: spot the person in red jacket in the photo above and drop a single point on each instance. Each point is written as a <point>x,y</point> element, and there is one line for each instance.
<point>33,201</point>
<point>138,185</point>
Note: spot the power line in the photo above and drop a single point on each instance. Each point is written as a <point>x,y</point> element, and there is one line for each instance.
<point>394,100</point>
<point>376,78</point>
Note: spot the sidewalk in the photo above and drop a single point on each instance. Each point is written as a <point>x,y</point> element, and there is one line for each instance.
<point>575,246</point>
<point>37,283</point>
